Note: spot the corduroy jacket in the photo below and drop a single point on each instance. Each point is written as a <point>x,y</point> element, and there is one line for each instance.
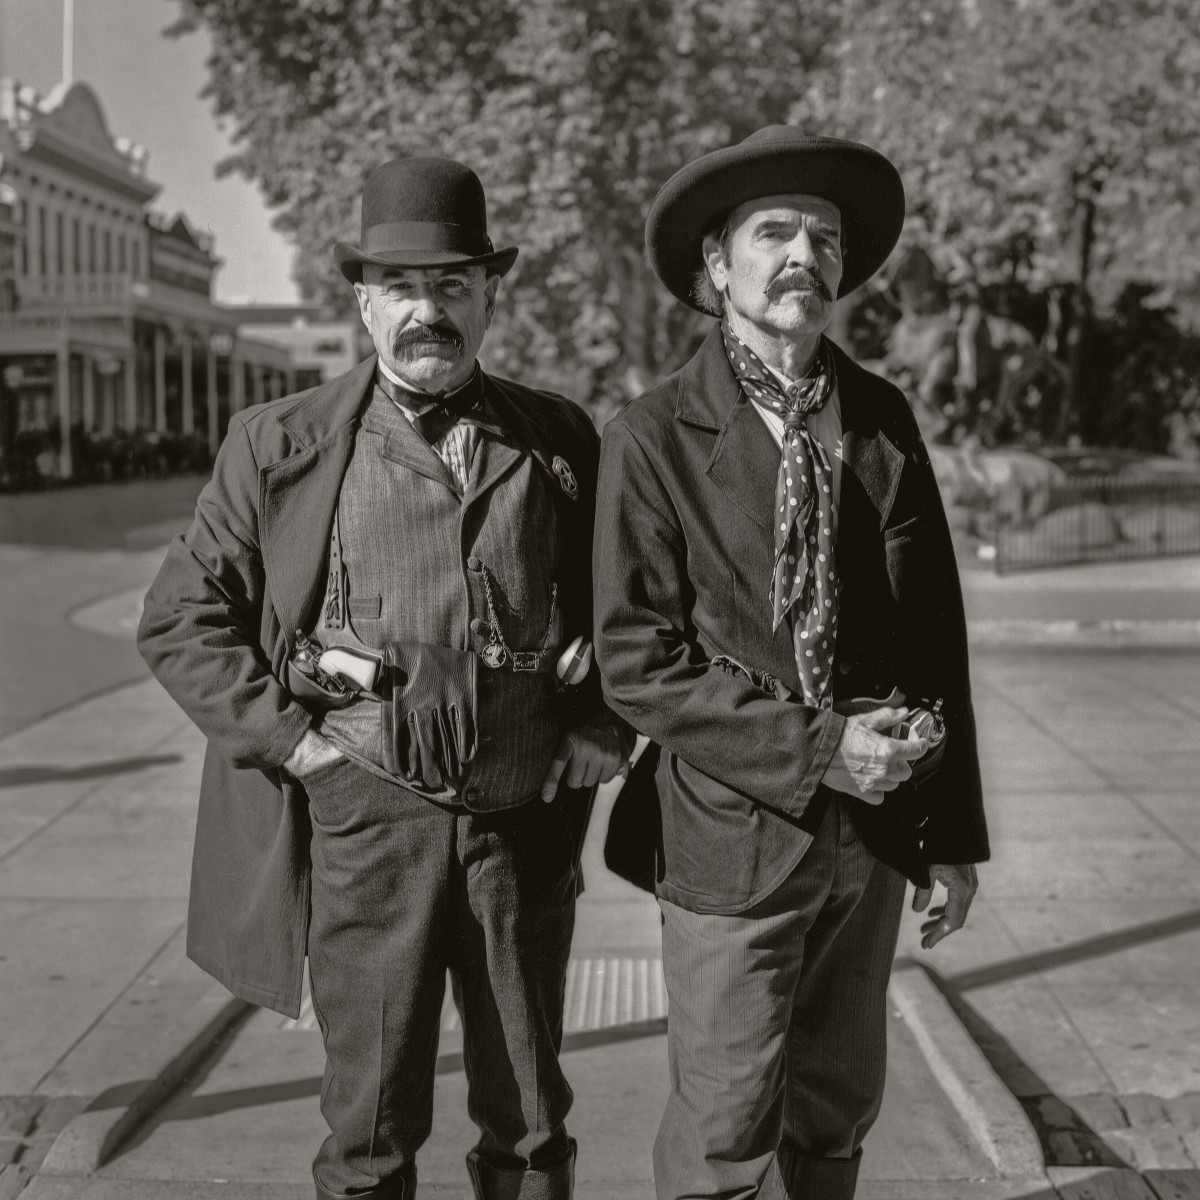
<point>219,622</point>
<point>683,559</point>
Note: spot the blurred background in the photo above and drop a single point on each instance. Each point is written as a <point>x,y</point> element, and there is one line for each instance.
<point>175,173</point>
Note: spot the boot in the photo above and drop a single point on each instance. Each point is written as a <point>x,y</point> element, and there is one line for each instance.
<point>501,1183</point>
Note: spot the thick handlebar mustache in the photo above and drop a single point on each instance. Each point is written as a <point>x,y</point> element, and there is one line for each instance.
<point>795,281</point>
<point>427,333</point>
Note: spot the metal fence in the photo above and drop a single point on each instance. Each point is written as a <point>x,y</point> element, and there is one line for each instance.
<point>1096,518</point>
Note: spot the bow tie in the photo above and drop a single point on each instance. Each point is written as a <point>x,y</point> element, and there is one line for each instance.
<point>460,401</point>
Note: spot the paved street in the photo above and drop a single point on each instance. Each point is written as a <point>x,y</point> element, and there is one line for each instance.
<point>1052,1048</point>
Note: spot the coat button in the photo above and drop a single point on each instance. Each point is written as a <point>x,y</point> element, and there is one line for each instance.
<point>471,795</point>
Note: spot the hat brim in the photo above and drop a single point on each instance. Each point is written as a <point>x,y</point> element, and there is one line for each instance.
<point>862,183</point>
<point>350,259</point>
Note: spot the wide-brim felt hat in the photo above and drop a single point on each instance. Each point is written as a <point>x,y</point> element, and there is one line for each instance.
<point>777,160</point>
<point>423,212</point>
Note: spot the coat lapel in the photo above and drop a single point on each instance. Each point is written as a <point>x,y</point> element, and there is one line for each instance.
<point>745,460</point>
<point>297,494</point>
<point>871,463</point>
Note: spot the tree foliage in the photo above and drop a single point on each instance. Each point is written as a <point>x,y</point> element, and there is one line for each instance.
<point>1052,143</point>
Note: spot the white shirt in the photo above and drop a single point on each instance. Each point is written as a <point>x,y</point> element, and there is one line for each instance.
<point>825,426</point>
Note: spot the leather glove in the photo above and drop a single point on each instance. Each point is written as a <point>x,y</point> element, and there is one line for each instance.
<point>429,710</point>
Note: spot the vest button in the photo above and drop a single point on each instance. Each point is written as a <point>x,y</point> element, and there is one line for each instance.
<point>844,668</point>
<point>474,564</point>
<point>472,794</point>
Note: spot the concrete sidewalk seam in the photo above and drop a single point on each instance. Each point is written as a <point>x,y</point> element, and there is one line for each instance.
<point>1007,633</point>
<point>108,1008</point>
<point>987,1108</point>
<point>95,1136</point>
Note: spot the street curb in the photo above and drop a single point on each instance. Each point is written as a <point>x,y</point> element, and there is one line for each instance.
<point>987,1108</point>
<point>1018,633</point>
<point>97,1134</point>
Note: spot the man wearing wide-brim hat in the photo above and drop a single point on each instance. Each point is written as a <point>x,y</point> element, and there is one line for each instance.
<point>777,608</point>
<point>381,619</point>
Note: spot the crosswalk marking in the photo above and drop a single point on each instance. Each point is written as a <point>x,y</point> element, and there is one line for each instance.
<point>602,992</point>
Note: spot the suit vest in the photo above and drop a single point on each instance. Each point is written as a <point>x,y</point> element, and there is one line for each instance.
<point>415,553</point>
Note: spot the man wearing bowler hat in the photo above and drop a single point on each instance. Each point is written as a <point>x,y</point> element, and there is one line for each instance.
<point>779,611</point>
<point>367,619</point>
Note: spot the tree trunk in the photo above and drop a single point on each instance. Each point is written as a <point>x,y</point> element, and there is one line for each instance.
<point>1079,329</point>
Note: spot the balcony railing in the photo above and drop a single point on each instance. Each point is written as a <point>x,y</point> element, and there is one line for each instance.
<point>1096,518</point>
<point>72,290</point>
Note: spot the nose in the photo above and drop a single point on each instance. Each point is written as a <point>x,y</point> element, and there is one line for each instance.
<point>426,307</point>
<point>801,252</point>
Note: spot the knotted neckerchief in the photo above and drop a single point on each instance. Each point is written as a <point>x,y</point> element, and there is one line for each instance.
<point>804,583</point>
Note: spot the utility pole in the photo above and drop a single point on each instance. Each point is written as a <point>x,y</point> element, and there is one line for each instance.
<point>68,49</point>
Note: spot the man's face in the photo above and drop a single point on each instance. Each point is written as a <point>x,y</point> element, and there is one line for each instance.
<point>427,323</point>
<point>782,265</point>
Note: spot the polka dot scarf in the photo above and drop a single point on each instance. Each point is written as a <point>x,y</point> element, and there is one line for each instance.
<point>804,583</point>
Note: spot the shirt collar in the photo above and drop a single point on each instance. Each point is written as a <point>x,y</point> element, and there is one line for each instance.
<point>462,399</point>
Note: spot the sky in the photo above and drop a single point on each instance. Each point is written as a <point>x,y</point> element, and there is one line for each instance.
<point>149,88</point>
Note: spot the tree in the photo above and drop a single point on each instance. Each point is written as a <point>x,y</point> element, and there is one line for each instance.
<point>1050,143</point>
<point>573,112</point>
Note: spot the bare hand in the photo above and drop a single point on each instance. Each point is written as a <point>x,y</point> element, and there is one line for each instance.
<point>588,754</point>
<point>867,763</point>
<point>312,751</point>
<point>961,884</point>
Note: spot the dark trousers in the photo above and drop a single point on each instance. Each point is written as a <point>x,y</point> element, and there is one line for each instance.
<point>402,892</point>
<point>776,1037</point>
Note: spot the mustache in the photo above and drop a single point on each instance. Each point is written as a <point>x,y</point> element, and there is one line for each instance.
<point>797,280</point>
<point>440,332</point>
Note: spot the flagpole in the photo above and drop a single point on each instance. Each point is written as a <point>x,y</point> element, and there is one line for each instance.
<point>68,49</point>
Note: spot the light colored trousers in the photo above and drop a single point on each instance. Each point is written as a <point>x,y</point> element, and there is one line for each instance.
<point>777,1037</point>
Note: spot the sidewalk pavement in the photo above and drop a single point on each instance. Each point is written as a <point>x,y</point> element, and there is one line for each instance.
<point>1072,1066</point>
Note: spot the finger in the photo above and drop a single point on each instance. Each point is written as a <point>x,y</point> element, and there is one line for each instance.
<point>872,797</point>
<point>899,770</point>
<point>613,767</point>
<point>591,775</point>
<point>884,718</point>
<point>913,748</point>
<point>958,904</point>
<point>921,899</point>
<point>554,772</point>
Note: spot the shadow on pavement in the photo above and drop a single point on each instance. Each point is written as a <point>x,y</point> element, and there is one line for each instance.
<point>1061,956</point>
<point>22,775</point>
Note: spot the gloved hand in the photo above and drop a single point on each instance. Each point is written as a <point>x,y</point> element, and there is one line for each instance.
<point>429,709</point>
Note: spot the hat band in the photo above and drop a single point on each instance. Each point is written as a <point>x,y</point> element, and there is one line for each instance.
<point>425,236</point>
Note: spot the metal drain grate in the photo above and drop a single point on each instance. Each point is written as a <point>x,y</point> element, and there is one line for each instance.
<point>601,993</point>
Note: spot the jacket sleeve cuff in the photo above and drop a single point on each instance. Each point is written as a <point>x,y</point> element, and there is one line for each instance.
<point>831,725</point>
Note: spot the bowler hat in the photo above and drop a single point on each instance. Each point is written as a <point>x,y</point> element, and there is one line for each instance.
<point>773,161</point>
<point>423,212</point>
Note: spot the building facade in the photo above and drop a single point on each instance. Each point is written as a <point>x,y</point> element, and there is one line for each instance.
<point>107,322</point>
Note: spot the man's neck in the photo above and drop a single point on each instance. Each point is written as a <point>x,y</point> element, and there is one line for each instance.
<point>790,355</point>
<point>428,393</point>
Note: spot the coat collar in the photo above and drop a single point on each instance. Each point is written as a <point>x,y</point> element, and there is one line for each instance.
<point>745,459</point>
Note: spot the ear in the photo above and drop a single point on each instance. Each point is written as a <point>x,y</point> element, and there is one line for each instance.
<point>363,295</point>
<point>715,264</point>
<point>491,292</point>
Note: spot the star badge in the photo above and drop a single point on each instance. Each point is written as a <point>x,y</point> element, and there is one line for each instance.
<point>566,476</point>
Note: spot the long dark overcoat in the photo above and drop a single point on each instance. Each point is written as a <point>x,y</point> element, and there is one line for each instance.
<point>683,560</point>
<point>219,621</point>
